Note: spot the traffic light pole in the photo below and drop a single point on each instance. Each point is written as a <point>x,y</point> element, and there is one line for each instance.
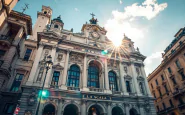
<point>40,96</point>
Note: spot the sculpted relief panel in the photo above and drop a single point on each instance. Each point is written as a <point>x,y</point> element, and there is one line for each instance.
<point>75,57</point>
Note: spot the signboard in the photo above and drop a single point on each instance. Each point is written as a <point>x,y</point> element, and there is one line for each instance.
<point>101,97</point>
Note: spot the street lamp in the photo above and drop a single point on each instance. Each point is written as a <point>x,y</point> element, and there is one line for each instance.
<point>48,63</point>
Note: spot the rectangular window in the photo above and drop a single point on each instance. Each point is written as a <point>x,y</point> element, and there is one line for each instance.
<point>178,64</point>
<point>152,86</point>
<point>156,82</point>
<point>128,86</point>
<point>169,70</point>
<point>164,106</point>
<point>9,108</point>
<point>55,79</point>
<point>27,54</point>
<point>158,108</point>
<point>17,82</point>
<point>174,81</point>
<point>182,75</point>
<point>2,53</point>
<point>162,77</point>
<point>154,95</point>
<point>160,92</point>
<point>171,104</point>
<point>166,89</point>
<point>181,101</point>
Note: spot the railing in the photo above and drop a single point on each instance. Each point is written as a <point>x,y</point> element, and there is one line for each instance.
<point>178,92</point>
<point>116,92</point>
<point>132,94</point>
<point>5,38</point>
<point>96,89</point>
<point>73,88</point>
<point>1,62</point>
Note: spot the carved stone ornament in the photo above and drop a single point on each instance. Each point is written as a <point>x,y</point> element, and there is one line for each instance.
<point>46,52</point>
<point>28,112</point>
<point>60,57</point>
<point>76,58</point>
<point>58,67</point>
<point>112,63</point>
<point>127,77</point>
<point>147,106</point>
<point>32,98</point>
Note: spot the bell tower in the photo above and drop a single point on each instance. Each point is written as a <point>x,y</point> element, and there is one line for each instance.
<point>43,19</point>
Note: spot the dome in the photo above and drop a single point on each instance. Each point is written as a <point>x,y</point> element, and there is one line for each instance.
<point>58,19</point>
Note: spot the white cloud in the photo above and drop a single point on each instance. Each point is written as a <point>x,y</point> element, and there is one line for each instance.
<point>76,9</point>
<point>121,21</point>
<point>152,61</point>
<point>121,2</point>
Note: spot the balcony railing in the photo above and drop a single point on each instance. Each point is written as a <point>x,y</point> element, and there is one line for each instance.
<point>73,88</point>
<point>5,38</point>
<point>116,92</point>
<point>96,89</point>
<point>180,91</point>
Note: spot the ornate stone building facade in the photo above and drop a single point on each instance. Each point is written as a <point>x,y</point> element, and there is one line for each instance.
<point>84,79</point>
<point>167,81</point>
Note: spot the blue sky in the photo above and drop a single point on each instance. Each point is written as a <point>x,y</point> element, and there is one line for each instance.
<point>151,24</point>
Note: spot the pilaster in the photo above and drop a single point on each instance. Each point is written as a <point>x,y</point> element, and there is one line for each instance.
<point>49,75</point>
<point>134,76</point>
<point>106,78</point>
<point>122,74</point>
<point>84,80</point>
<point>35,65</point>
<point>63,85</point>
<point>146,81</point>
<point>83,107</point>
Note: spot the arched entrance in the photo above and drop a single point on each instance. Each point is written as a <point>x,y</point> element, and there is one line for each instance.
<point>95,110</point>
<point>117,111</point>
<point>133,111</point>
<point>49,110</point>
<point>71,109</point>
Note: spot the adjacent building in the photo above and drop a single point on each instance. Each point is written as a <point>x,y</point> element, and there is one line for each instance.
<point>16,57</point>
<point>167,81</point>
<point>85,78</point>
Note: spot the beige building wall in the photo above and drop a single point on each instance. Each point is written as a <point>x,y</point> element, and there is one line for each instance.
<point>174,58</point>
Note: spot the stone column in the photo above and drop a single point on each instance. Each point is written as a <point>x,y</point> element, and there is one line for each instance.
<point>60,103</point>
<point>4,28</point>
<point>9,57</point>
<point>83,107</point>
<point>109,110</point>
<point>106,77</point>
<point>123,86</point>
<point>127,109</point>
<point>146,81</point>
<point>141,109</point>
<point>134,76</point>
<point>35,65</point>
<point>49,77</point>
<point>84,80</point>
<point>65,71</point>
<point>18,37</point>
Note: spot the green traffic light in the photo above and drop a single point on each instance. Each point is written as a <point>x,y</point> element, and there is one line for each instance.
<point>44,93</point>
<point>104,52</point>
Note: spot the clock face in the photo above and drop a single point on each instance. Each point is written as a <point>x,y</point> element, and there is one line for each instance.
<point>95,35</point>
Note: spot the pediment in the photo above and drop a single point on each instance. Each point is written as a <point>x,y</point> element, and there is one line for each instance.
<point>58,67</point>
<point>127,77</point>
<point>140,78</point>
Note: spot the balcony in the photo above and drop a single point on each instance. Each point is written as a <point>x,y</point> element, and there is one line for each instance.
<point>73,88</point>
<point>181,105</point>
<point>1,62</point>
<point>96,89</point>
<point>178,92</point>
<point>5,39</point>
<point>116,92</point>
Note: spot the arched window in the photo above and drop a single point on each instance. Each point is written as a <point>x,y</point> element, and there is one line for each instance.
<point>112,81</point>
<point>73,76</point>
<point>93,75</point>
<point>55,26</point>
<point>141,87</point>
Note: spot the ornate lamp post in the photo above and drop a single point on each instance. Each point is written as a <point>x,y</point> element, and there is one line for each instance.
<point>48,63</point>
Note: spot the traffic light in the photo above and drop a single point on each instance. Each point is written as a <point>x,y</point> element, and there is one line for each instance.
<point>104,52</point>
<point>44,93</point>
<point>17,110</point>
